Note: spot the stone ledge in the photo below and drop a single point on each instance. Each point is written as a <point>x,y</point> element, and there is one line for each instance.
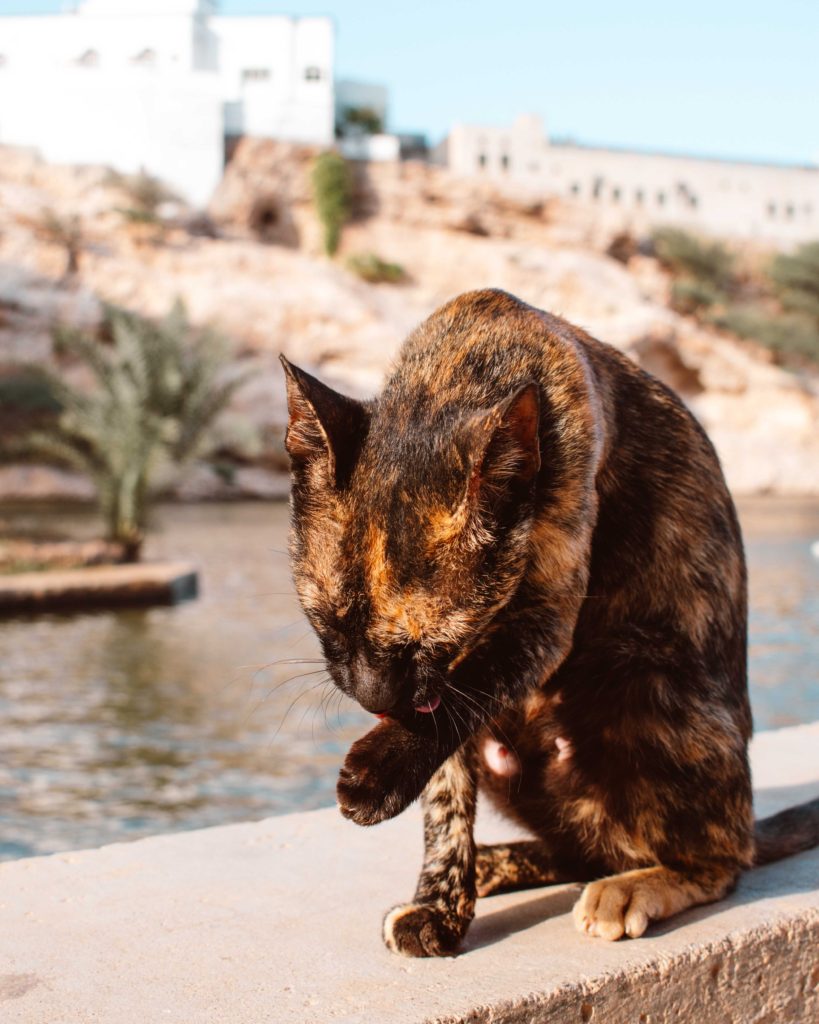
<point>98,586</point>
<point>278,921</point>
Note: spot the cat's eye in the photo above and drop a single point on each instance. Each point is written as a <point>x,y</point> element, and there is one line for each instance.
<point>334,643</point>
<point>406,654</point>
<point>334,633</point>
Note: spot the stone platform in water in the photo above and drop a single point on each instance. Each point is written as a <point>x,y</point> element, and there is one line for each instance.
<point>278,922</point>
<point>99,586</point>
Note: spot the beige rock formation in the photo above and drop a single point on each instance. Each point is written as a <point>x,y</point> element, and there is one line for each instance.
<point>264,283</point>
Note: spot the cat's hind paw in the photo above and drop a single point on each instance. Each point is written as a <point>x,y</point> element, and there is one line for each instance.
<point>419,929</point>
<point>610,909</point>
<point>625,904</point>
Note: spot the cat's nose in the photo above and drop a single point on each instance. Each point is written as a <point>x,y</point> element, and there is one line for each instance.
<point>375,690</point>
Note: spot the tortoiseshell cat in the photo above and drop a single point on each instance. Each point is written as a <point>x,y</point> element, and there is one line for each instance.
<point>523,557</point>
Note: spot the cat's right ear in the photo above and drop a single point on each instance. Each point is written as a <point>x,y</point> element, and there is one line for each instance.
<point>324,425</point>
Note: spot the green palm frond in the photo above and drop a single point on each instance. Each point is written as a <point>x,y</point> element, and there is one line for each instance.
<point>158,388</point>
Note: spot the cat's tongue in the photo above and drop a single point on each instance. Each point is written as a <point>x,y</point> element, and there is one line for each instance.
<point>425,709</point>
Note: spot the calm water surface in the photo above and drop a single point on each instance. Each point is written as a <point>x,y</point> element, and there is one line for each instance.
<point>122,724</point>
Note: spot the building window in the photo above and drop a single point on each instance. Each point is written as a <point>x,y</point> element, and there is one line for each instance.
<point>789,211</point>
<point>256,74</point>
<point>693,202</point>
<point>772,210</point>
<point>661,198</point>
<point>575,189</point>
<point>615,195</point>
<point>312,74</point>
<point>639,196</point>
<point>89,59</point>
<point>534,168</point>
<point>505,162</point>
<point>145,58</point>
<point>597,188</point>
<point>481,160</point>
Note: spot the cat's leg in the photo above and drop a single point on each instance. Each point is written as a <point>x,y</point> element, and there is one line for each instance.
<point>437,919</point>
<point>624,904</point>
<point>522,865</point>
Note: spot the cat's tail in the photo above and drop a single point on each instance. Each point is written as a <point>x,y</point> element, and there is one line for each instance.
<point>791,831</point>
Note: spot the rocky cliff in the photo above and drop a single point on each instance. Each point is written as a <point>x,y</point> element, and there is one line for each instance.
<point>263,281</point>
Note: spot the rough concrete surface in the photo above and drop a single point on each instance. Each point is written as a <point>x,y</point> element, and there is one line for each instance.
<point>278,921</point>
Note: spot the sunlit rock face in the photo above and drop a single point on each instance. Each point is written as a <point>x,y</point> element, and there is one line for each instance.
<point>266,285</point>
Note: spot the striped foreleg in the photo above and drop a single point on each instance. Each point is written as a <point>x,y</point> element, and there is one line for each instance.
<point>436,921</point>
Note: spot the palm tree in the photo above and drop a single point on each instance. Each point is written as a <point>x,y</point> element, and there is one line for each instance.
<point>157,389</point>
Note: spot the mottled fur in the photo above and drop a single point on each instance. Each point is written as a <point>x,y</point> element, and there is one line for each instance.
<point>529,527</point>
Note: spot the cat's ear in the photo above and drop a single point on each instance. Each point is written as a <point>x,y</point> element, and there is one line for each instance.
<point>323,425</point>
<point>505,445</point>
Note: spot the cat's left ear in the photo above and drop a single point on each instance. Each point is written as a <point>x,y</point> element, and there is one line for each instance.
<point>324,425</point>
<point>506,444</point>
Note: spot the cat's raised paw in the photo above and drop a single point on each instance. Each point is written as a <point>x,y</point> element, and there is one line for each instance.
<point>418,929</point>
<point>367,790</point>
<point>380,775</point>
<point>360,798</point>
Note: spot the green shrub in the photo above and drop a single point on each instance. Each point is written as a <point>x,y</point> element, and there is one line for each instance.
<point>145,193</point>
<point>365,118</point>
<point>787,334</point>
<point>157,389</point>
<point>690,296</point>
<point>136,216</point>
<point>688,256</point>
<point>332,191</point>
<point>25,391</point>
<point>796,280</point>
<point>705,285</point>
<point>370,267</point>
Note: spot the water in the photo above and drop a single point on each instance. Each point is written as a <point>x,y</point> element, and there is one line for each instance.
<point>122,724</point>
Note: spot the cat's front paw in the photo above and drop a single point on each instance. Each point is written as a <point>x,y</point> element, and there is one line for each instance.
<point>360,796</point>
<point>420,929</point>
<point>379,777</point>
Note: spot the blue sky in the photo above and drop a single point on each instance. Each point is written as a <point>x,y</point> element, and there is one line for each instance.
<point>719,78</point>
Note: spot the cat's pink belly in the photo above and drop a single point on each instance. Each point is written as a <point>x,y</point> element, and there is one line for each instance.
<point>502,761</point>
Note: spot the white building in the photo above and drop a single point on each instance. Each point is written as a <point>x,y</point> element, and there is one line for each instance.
<point>160,84</point>
<point>634,190</point>
<point>276,76</point>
